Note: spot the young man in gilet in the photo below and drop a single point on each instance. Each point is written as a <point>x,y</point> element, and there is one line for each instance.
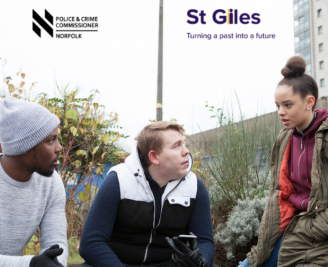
<point>145,203</point>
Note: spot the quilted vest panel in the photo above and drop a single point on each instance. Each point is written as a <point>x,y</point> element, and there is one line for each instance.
<point>135,238</point>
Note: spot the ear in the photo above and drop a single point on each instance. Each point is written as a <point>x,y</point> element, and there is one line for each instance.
<point>310,100</point>
<point>152,155</point>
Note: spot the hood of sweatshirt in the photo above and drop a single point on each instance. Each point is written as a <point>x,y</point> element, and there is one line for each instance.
<point>300,161</point>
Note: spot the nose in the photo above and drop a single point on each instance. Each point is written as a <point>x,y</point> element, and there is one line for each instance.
<point>185,150</point>
<point>59,147</point>
<point>281,112</point>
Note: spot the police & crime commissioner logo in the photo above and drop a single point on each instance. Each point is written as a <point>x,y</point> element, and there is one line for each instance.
<point>65,26</point>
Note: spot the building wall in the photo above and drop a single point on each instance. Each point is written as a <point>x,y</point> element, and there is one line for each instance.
<point>319,18</point>
<point>302,32</point>
<point>202,141</point>
<point>307,20</point>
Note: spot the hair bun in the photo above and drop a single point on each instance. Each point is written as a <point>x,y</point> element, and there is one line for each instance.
<point>295,67</point>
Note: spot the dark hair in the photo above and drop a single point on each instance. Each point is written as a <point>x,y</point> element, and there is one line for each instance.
<point>294,76</point>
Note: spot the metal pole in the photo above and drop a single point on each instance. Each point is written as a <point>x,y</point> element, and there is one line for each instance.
<point>159,109</point>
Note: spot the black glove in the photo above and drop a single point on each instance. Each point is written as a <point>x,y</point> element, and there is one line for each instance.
<point>185,256</point>
<point>48,258</point>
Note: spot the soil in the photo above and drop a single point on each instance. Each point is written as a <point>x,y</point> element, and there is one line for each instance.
<point>240,254</point>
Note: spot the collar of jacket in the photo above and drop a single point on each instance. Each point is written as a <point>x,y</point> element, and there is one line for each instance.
<point>287,133</point>
<point>134,165</point>
<point>324,126</point>
<point>300,134</point>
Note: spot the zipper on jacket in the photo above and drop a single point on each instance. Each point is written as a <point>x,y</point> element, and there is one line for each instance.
<point>155,227</point>
<point>151,232</point>
<point>299,160</point>
<point>160,216</point>
<point>150,240</point>
<point>154,215</point>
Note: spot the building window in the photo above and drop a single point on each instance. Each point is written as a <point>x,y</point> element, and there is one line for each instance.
<point>322,82</point>
<point>320,47</point>
<point>321,64</point>
<point>319,29</point>
<point>319,12</point>
<point>308,67</point>
<point>305,53</point>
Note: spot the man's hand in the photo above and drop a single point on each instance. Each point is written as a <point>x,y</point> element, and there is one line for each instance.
<point>48,258</point>
<point>185,256</point>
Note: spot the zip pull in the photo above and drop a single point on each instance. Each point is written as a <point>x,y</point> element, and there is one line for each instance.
<point>317,205</point>
<point>301,143</point>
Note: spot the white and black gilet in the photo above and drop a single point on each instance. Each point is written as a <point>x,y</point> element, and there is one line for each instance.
<point>135,237</point>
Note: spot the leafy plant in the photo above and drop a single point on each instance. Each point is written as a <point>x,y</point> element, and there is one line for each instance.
<point>235,167</point>
<point>236,172</point>
<point>243,224</point>
<point>33,246</point>
<point>88,139</point>
<point>73,248</point>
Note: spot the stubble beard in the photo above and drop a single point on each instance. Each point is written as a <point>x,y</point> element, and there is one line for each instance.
<point>46,173</point>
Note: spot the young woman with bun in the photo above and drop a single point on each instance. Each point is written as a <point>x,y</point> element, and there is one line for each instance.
<point>294,226</point>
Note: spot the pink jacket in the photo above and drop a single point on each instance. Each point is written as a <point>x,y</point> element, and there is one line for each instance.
<point>300,161</point>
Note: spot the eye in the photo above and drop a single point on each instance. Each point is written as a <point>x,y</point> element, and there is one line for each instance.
<point>288,105</point>
<point>277,106</point>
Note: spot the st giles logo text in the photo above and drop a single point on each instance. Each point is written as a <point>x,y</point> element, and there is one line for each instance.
<point>220,16</point>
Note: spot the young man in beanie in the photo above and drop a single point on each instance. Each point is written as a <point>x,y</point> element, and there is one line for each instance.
<point>146,203</point>
<point>32,194</point>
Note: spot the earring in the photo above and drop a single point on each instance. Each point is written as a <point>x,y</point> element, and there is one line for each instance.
<point>308,108</point>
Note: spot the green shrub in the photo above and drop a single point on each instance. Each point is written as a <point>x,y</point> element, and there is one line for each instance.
<point>236,166</point>
<point>237,175</point>
<point>243,224</point>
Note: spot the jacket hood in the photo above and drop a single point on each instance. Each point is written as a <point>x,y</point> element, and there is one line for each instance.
<point>322,114</point>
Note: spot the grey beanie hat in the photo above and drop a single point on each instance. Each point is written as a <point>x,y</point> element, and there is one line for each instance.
<point>23,125</point>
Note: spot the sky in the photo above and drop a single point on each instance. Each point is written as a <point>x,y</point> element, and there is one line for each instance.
<point>120,59</point>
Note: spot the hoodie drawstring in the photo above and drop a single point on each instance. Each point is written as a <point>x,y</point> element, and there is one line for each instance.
<point>307,165</point>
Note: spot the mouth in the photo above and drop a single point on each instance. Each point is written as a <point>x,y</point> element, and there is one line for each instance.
<point>285,121</point>
<point>185,163</point>
<point>56,162</point>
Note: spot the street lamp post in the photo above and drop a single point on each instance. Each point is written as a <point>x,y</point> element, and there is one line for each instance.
<point>159,107</point>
